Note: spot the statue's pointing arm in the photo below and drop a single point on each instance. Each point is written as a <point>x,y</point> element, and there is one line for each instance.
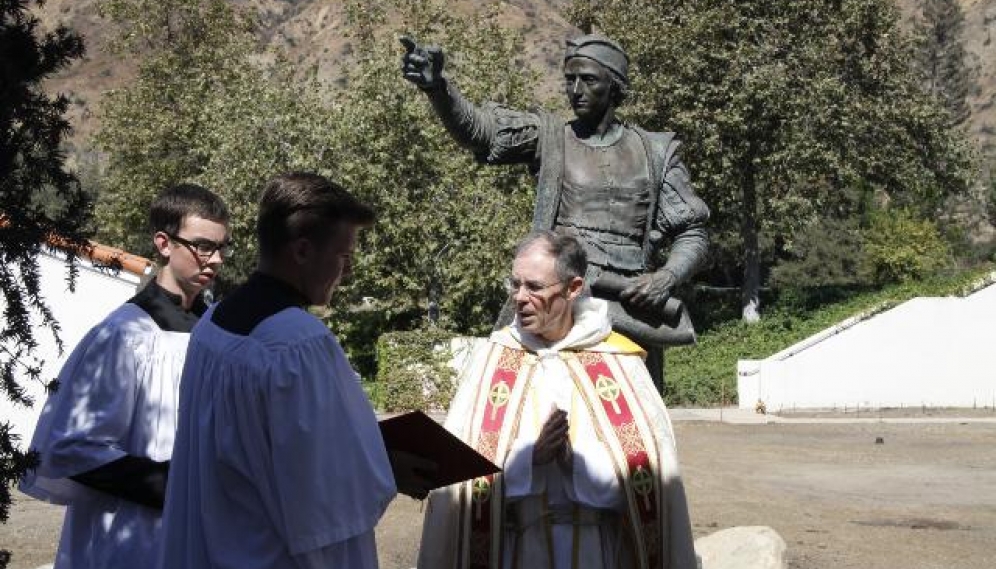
<point>495,134</point>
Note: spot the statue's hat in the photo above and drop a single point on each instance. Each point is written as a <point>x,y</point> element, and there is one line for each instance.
<point>603,50</point>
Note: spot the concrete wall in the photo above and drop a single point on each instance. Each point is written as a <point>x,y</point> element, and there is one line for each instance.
<point>938,352</point>
<point>97,293</point>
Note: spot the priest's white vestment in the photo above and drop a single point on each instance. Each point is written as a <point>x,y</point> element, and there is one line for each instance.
<point>619,503</point>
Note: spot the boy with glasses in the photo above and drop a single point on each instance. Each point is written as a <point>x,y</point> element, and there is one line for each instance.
<point>105,436</point>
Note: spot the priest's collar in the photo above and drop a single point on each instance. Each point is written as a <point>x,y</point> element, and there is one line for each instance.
<point>166,308</point>
<point>591,326</point>
<point>259,298</point>
<point>592,332</point>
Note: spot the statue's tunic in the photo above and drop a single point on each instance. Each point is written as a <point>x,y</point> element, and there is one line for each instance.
<point>642,192</point>
<point>605,200</point>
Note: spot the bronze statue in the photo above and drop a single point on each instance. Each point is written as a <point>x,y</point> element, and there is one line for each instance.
<point>621,190</point>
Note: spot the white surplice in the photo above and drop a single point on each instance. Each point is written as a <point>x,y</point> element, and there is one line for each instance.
<point>279,462</point>
<point>117,396</point>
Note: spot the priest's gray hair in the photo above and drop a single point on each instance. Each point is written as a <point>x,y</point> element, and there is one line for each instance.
<point>570,258</point>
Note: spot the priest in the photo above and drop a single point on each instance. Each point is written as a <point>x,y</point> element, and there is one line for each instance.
<point>567,408</point>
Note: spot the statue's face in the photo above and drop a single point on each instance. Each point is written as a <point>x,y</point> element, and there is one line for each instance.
<point>589,88</point>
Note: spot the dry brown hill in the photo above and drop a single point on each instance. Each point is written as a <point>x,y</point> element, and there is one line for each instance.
<point>311,32</point>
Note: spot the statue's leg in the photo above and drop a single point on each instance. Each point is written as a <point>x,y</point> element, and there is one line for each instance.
<point>655,365</point>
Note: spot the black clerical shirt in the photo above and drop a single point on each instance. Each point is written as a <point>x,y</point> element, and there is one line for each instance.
<point>259,298</point>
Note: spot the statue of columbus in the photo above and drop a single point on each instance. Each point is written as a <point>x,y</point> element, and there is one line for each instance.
<point>622,191</point>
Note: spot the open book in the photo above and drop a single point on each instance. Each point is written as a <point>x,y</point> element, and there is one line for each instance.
<point>418,434</point>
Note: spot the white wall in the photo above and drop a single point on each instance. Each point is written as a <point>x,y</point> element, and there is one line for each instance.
<point>96,294</point>
<point>938,352</point>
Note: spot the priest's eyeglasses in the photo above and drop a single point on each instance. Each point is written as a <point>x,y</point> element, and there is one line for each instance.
<point>204,248</point>
<point>533,288</point>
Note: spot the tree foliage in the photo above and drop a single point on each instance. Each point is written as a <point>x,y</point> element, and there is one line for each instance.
<point>208,106</point>
<point>786,108</point>
<point>990,199</point>
<point>941,56</point>
<point>219,114</point>
<point>38,198</point>
<point>447,225</point>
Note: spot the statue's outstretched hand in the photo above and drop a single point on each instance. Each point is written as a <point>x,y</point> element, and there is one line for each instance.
<point>422,66</point>
<point>649,291</point>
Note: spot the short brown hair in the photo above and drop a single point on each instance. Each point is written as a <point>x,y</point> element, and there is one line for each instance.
<point>176,203</point>
<point>303,204</point>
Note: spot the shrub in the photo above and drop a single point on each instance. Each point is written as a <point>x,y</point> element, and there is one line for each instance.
<point>827,252</point>
<point>413,371</point>
<point>900,247</point>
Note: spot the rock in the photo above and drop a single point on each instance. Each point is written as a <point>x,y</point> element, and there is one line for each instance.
<point>743,547</point>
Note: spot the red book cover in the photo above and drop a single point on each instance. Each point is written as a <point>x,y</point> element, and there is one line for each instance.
<point>419,434</point>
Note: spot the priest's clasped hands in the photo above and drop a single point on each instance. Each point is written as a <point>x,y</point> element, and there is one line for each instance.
<point>554,442</point>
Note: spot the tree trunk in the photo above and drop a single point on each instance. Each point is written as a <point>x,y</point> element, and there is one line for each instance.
<point>750,300</point>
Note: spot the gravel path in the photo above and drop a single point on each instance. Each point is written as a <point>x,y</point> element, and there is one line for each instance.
<point>925,497</point>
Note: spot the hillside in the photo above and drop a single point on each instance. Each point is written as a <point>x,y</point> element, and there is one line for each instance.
<point>311,32</point>
<point>980,27</point>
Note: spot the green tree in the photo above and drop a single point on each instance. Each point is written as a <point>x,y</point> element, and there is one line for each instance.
<point>941,56</point>
<point>785,106</point>
<point>188,50</point>
<point>38,199</point>
<point>447,225</point>
<point>215,115</point>
<point>208,106</point>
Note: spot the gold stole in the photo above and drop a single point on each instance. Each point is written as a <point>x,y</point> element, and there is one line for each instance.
<point>482,499</point>
<point>614,407</point>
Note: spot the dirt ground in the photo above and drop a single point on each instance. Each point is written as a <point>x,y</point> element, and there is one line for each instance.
<point>923,498</point>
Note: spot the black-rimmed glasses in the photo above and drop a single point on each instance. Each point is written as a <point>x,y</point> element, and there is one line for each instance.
<point>204,248</point>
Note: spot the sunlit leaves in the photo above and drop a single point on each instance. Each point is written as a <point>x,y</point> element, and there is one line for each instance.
<point>804,99</point>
